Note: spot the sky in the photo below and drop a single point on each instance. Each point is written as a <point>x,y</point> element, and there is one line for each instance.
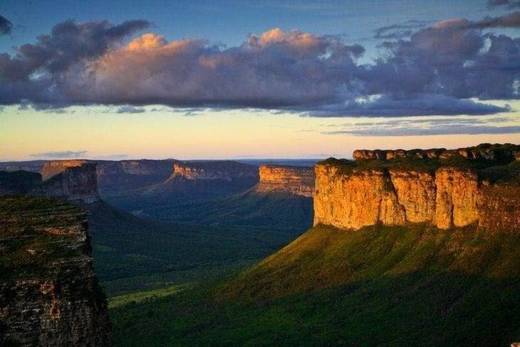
<point>255,79</point>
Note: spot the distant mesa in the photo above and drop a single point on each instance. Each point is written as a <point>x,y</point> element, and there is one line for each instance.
<point>55,167</point>
<point>225,170</point>
<point>72,181</point>
<point>286,179</point>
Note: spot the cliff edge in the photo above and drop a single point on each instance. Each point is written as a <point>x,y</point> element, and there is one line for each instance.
<point>446,191</point>
<point>286,179</point>
<point>49,294</point>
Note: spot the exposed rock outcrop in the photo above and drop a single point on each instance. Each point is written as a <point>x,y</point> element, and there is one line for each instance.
<point>497,152</point>
<point>213,170</point>
<point>55,167</point>
<point>49,294</point>
<point>288,179</point>
<point>352,196</point>
<point>75,183</point>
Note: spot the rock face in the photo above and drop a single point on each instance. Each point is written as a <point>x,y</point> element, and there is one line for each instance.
<point>75,183</point>
<point>288,179</point>
<point>498,152</point>
<point>126,175</point>
<point>54,167</point>
<point>213,170</point>
<point>49,294</point>
<point>355,196</point>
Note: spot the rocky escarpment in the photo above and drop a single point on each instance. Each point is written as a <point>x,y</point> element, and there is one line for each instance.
<point>286,179</point>
<point>213,170</point>
<point>75,183</point>
<point>49,294</point>
<point>493,152</point>
<point>389,192</point>
<point>55,167</point>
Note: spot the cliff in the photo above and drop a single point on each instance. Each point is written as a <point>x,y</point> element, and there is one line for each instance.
<point>213,170</point>
<point>49,294</point>
<point>115,177</point>
<point>75,183</point>
<point>287,179</point>
<point>486,151</point>
<point>426,189</point>
<point>54,167</point>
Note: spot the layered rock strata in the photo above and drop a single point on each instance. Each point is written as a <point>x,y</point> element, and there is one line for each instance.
<point>352,197</point>
<point>287,179</point>
<point>495,152</point>
<point>75,183</point>
<point>49,294</point>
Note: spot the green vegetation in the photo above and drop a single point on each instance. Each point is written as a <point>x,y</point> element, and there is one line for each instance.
<point>30,239</point>
<point>280,211</point>
<point>378,286</point>
<point>144,296</point>
<point>132,253</point>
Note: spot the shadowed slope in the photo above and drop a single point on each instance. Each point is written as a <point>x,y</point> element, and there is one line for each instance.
<point>378,286</point>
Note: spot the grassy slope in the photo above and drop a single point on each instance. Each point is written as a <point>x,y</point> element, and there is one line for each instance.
<point>132,253</point>
<point>377,286</point>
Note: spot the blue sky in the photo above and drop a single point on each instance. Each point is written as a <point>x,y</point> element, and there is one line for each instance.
<point>230,78</point>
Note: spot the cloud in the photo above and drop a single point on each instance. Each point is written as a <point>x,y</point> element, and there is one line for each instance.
<point>399,31</point>
<point>411,105</point>
<point>130,109</point>
<point>445,130</point>
<point>508,3</point>
<point>443,69</point>
<point>59,154</point>
<point>427,127</point>
<point>5,26</point>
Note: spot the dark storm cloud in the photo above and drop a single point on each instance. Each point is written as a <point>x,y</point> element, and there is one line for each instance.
<point>59,154</point>
<point>434,70</point>
<point>5,26</point>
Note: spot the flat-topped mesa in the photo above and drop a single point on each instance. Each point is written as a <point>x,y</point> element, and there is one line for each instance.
<point>49,293</point>
<point>496,152</point>
<point>287,179</point>
<point>54,167</point>
<point>76,183</point>
<point>352,195</point>
<point>213,170</point>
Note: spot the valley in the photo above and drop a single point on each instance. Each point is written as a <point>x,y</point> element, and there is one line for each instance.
<point>412,242</point>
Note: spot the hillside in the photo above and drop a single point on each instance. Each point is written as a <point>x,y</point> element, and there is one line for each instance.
<point>269,211</point>
<point>377,286</point>
<point>133,253</point>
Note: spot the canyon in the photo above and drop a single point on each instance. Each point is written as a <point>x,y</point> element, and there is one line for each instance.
<point>427,187</point>
<point>286,179</point>
<point>49,294</point>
